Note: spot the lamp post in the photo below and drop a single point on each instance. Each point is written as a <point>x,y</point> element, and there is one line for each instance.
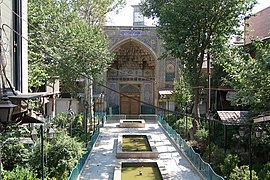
<point>257,134</point>
<point>34,135</point>
<point>6,110</point>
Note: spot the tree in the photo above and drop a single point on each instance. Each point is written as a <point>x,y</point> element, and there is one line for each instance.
<point>95,11</point>
<point>248,75</point>
<point>197,28</point>
<point>62,43</point>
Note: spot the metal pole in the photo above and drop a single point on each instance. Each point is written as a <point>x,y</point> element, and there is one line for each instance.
<point>186,126</point>
<point>209,149</point>
<point>209,81</point>
<point>42,153</point>
<point>1,162</point>
<point>250,154</point>
<point>209,101</point>
<point>85,116</point>
<point>99,115</point>
<point>225,138</point>
<point>70,126</point>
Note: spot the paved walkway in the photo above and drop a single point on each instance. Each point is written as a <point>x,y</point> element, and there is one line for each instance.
<point>101,162</point>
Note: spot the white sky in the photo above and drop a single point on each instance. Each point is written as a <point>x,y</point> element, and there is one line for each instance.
<point>125,16</point>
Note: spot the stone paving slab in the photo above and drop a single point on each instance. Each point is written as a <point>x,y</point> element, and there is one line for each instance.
<point>102,160</point>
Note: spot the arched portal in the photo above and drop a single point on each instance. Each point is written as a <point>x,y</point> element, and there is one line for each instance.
<point>132,73</point>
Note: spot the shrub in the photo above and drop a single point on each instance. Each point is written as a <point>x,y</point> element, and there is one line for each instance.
<point>230,162</point>
<point>265,172</point>
<point>20,173</point>
<point>62,154</point>
<point>217,156</point>
<point>242,173</point>
<point>201,135</point>
<point>13,153</point>
<point>171,119</point>
<point>181,126</point>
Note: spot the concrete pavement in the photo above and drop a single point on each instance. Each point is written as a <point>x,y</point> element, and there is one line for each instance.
<point>101,162</point>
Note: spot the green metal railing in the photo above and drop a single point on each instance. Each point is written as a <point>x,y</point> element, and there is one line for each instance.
<point>204,168</point>
<point>78,168</point>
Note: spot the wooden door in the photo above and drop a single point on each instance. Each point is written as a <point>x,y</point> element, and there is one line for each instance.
<point>130,103</point>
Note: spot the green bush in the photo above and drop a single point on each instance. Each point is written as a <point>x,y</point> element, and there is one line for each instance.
<point>62,154</point>
<point>78,130</point>
<point>19,173</point>
<point>230,162</point>
<point>242,173</point>
<point>265,172</point>
<point>171,119</point>
<point>14,153</point>
<point>181,126</point>
<point>201,135</point>
<point>217,156</point>
<point>62,122</point>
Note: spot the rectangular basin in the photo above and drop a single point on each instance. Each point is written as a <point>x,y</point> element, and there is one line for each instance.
<point>135,146</point>
<point>132,123</point>
<point>140,170</point>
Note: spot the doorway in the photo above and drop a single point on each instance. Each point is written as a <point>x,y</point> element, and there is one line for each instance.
<point>130,103</point>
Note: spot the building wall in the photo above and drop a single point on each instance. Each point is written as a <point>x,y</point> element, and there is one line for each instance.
<point>24,47</point>
<point>259,25</point>
<point>17,72</point>
<point>7,37</point>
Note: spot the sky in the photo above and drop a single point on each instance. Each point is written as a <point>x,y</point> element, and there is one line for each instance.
<point>125,16</point>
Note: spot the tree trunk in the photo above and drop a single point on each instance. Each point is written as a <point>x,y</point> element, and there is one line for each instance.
<point>196,110</point>
<point>196,103</point>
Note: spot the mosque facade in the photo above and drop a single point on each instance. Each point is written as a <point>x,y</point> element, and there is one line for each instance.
<point>138,77</point>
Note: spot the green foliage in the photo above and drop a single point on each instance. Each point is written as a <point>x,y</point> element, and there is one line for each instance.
<point>60,121</point>
<point>171,119</point>
<point>242,173</point>
<point>63,122</point>
<point>63,44</point>
<point>62,154</point>
<point>20,173</point>
<point>182,93</point>
<point>13,153</point>
<point>230,162</point>
<point>248,75</point>
<point>264,173</point>
<point>181,126</point>
<point>78,130</point>
<point>201,135</point>
<point>217,156</point>
<point>95,11</point>
<point>197,28</point>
